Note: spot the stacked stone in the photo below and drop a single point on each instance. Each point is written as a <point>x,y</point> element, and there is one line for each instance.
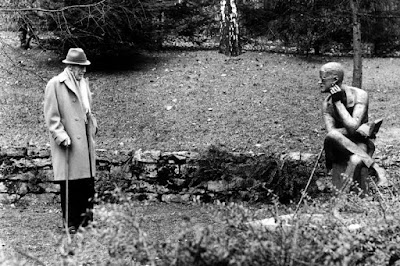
<point>26,172</point>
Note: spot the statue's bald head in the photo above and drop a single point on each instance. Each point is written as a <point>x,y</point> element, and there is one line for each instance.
<point>333,69</point>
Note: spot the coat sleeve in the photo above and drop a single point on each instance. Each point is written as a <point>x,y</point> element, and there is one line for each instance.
<point>93,121</point>
<point>52,114</point>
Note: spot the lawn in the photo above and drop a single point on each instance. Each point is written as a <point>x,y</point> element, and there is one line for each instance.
<point>181,100</point>
<point>187,100</point>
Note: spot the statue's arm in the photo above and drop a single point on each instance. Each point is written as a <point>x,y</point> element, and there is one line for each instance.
<point>330,123</point>
<point>353,121</point>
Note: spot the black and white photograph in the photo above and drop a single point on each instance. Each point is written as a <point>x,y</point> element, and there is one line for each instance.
<point>199,132</point>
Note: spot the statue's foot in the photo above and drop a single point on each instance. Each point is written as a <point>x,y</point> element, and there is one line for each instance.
<point>382,180</point>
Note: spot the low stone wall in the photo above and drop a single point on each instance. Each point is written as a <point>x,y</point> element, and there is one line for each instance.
<point>28,170</point>
<point>26,173</point>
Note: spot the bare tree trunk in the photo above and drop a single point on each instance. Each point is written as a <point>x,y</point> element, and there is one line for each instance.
<point>357,57</point>
<point>160,31</point>
<point>229,32</point>
<point>266,4</point>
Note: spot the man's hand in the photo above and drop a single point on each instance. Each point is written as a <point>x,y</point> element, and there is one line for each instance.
<point>66,142</point>
<point>338,94</point>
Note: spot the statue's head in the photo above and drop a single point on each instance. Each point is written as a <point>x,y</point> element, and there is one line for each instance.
<point>331,74</point>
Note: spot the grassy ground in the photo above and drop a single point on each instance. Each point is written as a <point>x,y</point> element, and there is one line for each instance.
<point>180,100</point>
<point>188,100</point>
<point>35,231</point>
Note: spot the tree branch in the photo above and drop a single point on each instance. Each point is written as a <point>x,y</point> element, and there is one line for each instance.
<point>49,10</point>
<point>16,65</point>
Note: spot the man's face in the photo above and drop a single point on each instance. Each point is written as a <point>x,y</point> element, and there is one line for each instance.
<point>78,71</point>
<point>326,81</point>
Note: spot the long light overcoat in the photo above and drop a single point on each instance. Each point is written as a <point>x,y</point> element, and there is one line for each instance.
<point>64,116</point>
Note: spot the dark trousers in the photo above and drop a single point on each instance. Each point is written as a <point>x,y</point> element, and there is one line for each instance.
<point>80,201</point>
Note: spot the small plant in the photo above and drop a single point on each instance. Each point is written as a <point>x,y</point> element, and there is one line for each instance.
<point>108,183</point>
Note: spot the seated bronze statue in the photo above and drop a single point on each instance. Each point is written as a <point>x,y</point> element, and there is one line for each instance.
<point>348,144</point>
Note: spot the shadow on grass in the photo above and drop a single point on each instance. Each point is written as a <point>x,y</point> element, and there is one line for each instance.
<point>127,60</point>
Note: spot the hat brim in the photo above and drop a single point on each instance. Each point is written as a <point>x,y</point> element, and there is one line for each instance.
<point>65,61</point>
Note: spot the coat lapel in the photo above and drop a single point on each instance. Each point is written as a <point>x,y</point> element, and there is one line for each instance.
<point>70,85</point>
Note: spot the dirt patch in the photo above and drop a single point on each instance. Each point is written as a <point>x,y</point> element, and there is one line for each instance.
<point>5,251</point>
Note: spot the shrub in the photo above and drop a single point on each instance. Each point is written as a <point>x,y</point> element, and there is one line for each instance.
<point>231,240</point>
<point>255,177</point>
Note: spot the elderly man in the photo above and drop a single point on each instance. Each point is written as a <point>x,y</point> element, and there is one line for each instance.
<point>349,135</point>
<point>71,125</point>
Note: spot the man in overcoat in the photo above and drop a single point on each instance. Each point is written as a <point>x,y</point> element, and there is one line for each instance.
<point>72,126</point>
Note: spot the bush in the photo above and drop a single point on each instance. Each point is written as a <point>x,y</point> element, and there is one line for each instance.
<point>231,240</point>
<point>367,232</point>
<point>255,178</point>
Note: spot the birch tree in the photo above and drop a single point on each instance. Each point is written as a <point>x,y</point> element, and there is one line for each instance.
<point>357,49</point>
<point>229,32</point>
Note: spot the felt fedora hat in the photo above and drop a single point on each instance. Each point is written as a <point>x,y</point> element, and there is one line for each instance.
<point>76,56</point>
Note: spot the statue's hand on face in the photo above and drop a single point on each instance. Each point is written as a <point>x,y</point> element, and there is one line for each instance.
<point>337,94</point>
<point>327,82</point>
